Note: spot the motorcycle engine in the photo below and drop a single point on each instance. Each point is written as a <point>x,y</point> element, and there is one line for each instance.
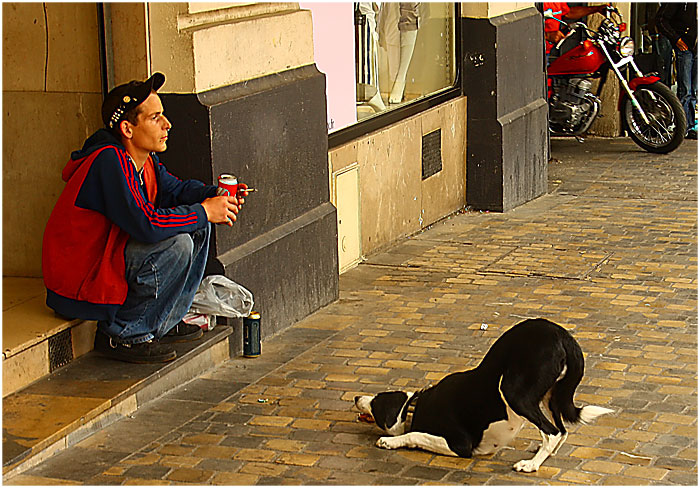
<point>572,106</point>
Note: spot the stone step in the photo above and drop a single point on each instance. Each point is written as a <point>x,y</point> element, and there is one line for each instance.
<point>35,341</point>
<point>91,392</point>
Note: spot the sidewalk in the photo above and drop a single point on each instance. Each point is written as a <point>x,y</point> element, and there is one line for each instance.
<point>610,253</point>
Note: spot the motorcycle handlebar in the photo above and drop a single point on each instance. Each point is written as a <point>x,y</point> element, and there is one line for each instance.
<point>549,14</point>
<point>577,25</point>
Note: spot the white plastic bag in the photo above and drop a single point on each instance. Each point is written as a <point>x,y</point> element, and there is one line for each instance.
<point>218,295</point>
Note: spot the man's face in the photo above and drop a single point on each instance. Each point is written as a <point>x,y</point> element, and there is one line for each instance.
<point>150,134</point>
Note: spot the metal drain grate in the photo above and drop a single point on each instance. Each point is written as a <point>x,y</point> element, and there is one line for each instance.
<point>431,153</point>
<point>60,350</point>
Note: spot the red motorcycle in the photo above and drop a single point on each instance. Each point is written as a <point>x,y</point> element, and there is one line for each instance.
<point>651,113</point>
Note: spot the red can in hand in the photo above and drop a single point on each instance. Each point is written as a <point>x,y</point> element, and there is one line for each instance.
<point>229,184</point>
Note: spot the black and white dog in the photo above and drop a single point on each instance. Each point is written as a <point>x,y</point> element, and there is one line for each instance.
<point>481,410</point>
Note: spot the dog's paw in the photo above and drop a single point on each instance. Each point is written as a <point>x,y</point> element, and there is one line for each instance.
<point>387,443</point>
<point>525,466</point>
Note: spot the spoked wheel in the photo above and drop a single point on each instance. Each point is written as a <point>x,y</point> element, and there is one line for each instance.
<point>666,128</point>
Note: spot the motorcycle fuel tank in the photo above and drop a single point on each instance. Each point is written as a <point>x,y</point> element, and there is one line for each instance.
<point>583,59</point>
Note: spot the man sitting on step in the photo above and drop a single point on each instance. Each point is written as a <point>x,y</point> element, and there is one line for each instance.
<point>127,242</point>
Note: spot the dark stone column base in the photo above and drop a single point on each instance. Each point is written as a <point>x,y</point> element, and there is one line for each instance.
<point>503,68</point>
<point>271,133</point>
<point>296,259</point>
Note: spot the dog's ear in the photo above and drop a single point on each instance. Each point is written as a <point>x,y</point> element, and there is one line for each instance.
<point>386,408</point>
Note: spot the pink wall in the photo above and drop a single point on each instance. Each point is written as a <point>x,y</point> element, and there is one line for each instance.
<point>334,53</point>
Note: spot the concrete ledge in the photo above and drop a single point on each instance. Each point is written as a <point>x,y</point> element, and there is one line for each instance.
<point>35,341</point>
<point>26,319</point>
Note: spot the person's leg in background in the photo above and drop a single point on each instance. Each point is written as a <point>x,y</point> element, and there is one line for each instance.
<point>693,102</point>
<point>694,90</point>
<point>665,52</point>
<point>686,67</point>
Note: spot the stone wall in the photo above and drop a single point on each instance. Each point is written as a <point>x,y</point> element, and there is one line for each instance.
<point>51,103</point>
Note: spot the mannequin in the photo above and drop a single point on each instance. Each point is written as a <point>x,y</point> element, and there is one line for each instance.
<point>395,28</point>
<point>408,32</point>
<point>370,69</point>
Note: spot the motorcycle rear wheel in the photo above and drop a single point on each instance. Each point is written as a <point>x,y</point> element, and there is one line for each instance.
<point>667,126</point>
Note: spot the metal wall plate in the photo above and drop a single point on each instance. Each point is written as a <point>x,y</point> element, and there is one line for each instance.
<point>431,154</point>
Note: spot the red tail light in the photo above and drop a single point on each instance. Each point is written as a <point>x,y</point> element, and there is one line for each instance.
<point>623,27</point>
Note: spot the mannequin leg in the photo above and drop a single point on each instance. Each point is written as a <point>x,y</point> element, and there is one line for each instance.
<point>408,42</point>
<point>376,102</point>
<point>367,9</point>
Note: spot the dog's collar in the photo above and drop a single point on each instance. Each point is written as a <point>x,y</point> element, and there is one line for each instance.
<point>409,407</point>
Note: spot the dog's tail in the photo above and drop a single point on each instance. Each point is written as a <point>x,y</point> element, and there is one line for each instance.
<point>591,412</point>
<point>563,391</point>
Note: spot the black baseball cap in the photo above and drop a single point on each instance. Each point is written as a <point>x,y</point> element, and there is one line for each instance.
<point>124,97</point>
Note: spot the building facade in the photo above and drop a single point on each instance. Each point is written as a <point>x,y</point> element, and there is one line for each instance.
<point>252,90</point>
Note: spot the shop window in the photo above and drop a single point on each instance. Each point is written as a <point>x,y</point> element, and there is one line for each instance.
<point>403,51</point>
<point>382,56</point>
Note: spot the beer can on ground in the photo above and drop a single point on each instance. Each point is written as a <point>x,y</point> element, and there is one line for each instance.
<point>251,335</point>
<point>229,183</point>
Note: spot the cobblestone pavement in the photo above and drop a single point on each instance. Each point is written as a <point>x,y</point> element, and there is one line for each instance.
<point>610,253</point>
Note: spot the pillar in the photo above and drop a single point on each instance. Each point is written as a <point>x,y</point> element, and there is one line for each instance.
<point>503,76</point>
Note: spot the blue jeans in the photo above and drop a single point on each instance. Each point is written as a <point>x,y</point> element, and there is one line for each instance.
<point>163,278</point>
<point>687,67</point>
<point>663,48</point>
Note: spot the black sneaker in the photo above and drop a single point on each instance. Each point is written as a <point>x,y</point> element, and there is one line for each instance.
<point>142,353</point>
<point>182,332</point>
<point>692,134</point>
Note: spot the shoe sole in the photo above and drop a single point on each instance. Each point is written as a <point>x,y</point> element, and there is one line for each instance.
<point>125,359</point>
<point>175,339</point>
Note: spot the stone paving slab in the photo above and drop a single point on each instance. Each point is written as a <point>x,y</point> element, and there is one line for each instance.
<point>610,253</point>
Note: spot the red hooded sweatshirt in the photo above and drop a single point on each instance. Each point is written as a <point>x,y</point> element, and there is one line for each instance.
<point>104,204</point>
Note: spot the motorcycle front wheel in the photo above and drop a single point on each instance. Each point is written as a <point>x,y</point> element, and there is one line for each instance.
<point>666,128</point>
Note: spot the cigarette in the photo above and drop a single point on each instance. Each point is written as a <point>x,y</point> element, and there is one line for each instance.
<point>247,189</point>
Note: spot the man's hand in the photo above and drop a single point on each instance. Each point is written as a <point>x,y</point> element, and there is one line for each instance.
<point>553,37</point>
<point>222,210</point>
<point>242,187</point>
<point>682,46</point>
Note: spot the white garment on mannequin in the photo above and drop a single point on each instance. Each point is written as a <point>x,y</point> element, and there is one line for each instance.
<point>408,43</point>
<point>367,9</point>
